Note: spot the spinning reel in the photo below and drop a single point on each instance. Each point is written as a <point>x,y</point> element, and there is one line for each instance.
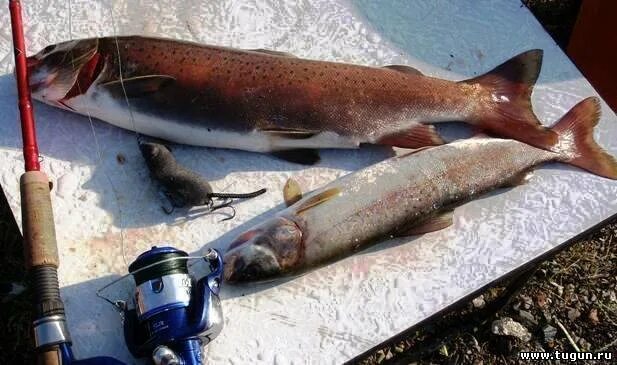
<point>175,315</point>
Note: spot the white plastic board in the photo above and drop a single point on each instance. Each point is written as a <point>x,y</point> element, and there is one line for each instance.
<point>339,311</point>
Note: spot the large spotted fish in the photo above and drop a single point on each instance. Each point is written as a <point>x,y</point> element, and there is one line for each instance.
<point>267,101</point>
<point>409,194</point>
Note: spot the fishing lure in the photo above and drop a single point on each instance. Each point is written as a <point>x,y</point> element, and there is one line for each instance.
<point>182,186</point>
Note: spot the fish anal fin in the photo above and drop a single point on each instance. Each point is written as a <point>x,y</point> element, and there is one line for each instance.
<point>138,86</point>
<point>418,135</point>
<point>289,133</point>
<point>405,69</point>
<point>436,223</point>
<point>303,156</point>
<point>320,198</point>
<point>273,53</point>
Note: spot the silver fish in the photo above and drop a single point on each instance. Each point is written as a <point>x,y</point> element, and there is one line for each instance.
<point>408,194</point>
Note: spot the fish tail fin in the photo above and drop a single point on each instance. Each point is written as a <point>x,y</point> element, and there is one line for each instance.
<point>509,112</point>
<point>576,143</point>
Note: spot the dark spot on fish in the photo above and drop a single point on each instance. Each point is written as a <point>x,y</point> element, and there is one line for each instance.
<point>305,69</point>
<point>209,130</point>
<point>121,159</point>
<point>257,67</point>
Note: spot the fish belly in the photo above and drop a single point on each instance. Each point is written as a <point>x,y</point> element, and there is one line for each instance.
<point>197,133</point>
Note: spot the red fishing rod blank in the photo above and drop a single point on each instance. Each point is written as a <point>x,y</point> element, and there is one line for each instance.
<point>28,131</point>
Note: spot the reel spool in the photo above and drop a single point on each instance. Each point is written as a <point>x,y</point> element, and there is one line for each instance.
<point>175,315</point>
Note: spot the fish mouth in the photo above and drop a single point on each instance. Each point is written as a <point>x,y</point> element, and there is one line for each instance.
<point>254,264</point>
<point>62,71</point>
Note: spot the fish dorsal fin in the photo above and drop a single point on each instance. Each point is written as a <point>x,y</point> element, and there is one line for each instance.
<point>289,133</point>
<point>313,201</point>
<point>140,85</point>
<point>273,53</point>
<point>302,156</point>
<point>436,223</point>
<point>292,192</point>
<point>405,69</point>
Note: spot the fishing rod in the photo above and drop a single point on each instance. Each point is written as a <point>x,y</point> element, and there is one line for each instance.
<point>175,314</point>
<point>51,334</point>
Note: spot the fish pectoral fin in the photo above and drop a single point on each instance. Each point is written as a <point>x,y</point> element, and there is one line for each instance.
<point>273,53</point>
<point>289,133</point>
<point>292,192</point>
<point>405,69</point>
<point>519,179</point>
<point>439,222</point>
<point>138,86</point>
<point>302,156</point>
<point>320,198</point>
<point>416,136</point>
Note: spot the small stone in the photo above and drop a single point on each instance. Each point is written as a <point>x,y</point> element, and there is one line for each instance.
<point>585,346</point>
<point>479,302</point>
<point>527,302</point>
<point>541,300</point>
<point>612,296</point>
<point>380,357</point>
<point>593,316</point>
<point>549,333</point>
<point>389,354</point>
<point>399,349</point>
<point>478,362</point>
<point>573,314</point>
<point>527,316</point>
<point>593,297</point>
<point>506,326</point>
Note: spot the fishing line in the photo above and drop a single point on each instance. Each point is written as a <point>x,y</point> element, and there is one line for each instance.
<point>115,281</point>
<point>97,144</point>
<point>126,98</point>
